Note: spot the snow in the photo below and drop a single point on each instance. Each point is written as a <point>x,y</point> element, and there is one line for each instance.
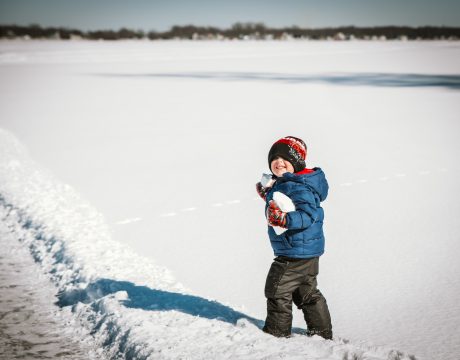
<point>131,307</point>
<point>267,180</point>
<point>136,163</point>
<point>31,326</point>
<point>285,204</point>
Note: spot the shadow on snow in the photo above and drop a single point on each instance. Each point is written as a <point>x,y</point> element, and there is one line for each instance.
<point>142,297</point>
<point>451,81</point>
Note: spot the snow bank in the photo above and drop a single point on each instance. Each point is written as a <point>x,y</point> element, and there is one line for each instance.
<point>132,307</point>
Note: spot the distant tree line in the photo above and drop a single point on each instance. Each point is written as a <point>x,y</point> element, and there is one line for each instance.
<point>242,31</point>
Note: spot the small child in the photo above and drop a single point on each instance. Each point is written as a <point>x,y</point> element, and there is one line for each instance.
<point>292,275</point>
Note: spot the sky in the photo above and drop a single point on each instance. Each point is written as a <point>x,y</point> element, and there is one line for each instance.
<point>160,15</point>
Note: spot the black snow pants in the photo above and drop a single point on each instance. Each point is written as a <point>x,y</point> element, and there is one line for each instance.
<point>295,280</point>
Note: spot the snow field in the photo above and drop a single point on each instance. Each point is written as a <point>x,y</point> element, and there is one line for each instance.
<point>177,133</point>
<point>73,260</point>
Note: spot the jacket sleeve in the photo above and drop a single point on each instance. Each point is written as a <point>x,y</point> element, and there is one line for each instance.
<point>306,211</point>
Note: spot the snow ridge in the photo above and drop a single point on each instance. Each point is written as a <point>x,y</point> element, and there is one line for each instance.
<point>50,253</point>
<point>97,304</point>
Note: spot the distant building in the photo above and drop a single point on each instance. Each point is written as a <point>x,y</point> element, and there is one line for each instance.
<point>55,36</point>
<point>286,36</point>
<point>75,37</point>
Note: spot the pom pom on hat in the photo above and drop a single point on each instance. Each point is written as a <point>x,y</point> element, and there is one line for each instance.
<point>291,149</point>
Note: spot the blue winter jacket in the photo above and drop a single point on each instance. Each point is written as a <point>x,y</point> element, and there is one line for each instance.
<point>304,237</point>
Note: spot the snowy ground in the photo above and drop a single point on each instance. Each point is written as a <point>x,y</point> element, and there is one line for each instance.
<point>109,302</point>
<point>166,141</point>
<point>31,326</point>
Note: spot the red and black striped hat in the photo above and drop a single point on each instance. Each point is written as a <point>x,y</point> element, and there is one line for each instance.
<point>291,149</point>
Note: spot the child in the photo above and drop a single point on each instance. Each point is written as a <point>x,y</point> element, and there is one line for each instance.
<point>292,275</point>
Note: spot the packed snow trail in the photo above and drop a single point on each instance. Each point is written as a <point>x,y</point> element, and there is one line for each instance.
<point>131,307</point>
<point>31,325</point>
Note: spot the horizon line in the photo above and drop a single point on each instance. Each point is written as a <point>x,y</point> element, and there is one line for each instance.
<point>244,24</point>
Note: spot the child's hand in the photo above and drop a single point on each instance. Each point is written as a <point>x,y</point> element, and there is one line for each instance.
<point>275,216</point>
<point>262,191</point>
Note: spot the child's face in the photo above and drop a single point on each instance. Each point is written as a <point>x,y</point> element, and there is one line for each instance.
<point>279,166</point>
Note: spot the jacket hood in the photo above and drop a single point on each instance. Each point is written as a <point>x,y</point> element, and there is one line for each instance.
<point>315,180</point>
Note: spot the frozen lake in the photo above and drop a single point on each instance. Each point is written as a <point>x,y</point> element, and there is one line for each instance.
<point>167,139</point>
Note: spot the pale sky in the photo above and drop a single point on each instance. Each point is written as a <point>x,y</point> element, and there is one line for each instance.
<point>160,15</point>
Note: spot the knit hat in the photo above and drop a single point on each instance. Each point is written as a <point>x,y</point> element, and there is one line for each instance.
<point>291,149</point>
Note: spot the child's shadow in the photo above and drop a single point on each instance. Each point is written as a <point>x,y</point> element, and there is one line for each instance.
<point>142,297</point>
